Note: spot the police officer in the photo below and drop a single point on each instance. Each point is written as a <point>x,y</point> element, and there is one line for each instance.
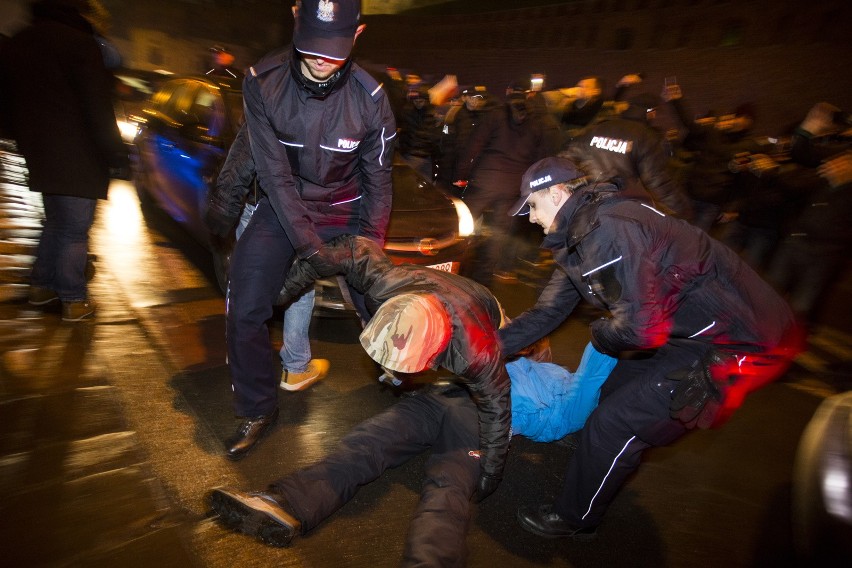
<point>626,146</point>
<point>321,133</point>
<point>693,326</point>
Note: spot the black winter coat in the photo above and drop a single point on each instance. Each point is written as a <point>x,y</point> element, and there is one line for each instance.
<point>56,101</point>
<point>473,354</point>
<point>660,278</point>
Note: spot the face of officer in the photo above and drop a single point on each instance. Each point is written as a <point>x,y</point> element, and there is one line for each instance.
<point>317,68</point>
<point>545,204</point>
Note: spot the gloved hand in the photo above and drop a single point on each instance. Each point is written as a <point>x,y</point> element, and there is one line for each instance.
<point>697,398</point>
<point>324,262</point>
<point>219,224</point>
<point>486,485</point>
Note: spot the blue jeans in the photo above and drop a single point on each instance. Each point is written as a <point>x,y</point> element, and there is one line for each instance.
<point>60,263</point>
<point>295,353</point>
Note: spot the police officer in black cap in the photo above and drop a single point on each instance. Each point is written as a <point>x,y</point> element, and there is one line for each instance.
<point>694,329</point>
<point>322,137</point>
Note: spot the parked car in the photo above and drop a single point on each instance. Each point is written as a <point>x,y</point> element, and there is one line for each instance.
<point>183,138</point>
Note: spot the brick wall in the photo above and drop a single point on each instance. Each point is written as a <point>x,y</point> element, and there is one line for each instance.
<point>780,55</point>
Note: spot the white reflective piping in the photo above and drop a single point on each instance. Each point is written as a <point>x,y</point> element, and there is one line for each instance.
<point>381,155</point>
<point>344,150</point>
<point>346,201</point>
<point>602,266</point>
<point>652,209</point>
<point>607,475</point>
<point>703,330</point>
<point>377,89</point>
<point>292,144</point>
<point>740,361</point>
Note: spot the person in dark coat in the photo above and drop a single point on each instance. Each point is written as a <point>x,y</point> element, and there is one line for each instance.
<point>626,146</point>
<point>693,326</point>
<point>814,249</point>
<point>56,100</point>
<point>419,130</point>
<point>471,351</point>
<point>506,142</point>
<point>322,138</point>
<point>459,122</point>
<point>424,319</point>
<point>710,183</point>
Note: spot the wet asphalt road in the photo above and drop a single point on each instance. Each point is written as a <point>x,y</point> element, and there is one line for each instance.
<point>112,432</point>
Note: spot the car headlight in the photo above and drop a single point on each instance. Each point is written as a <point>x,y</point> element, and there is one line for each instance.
<point>128,130</point>
<point>466,227</point>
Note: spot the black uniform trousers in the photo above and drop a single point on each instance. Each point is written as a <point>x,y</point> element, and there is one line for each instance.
<point>633,415</point>
<point>444,419</point>
<point>259,265</point>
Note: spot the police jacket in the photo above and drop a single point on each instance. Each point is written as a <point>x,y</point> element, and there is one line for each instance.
<point>660,278</point>
<point>626,146</point>
<point>473,354</point>
<point>323,153</point>
<point>56,102</point>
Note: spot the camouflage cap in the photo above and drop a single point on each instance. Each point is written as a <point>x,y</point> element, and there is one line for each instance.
<point>407,333</point>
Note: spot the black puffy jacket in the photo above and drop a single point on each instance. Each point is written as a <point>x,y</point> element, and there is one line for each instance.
<point>473,354</point>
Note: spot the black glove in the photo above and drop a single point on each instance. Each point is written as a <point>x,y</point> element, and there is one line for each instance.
<point>219,224</point>
<point>324,262</point>
<point>697,398</point>
<point>486,485</point>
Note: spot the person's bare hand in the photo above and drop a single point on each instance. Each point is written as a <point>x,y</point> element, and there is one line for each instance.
<point>630,79</point>
<point>820,119</point>
<point>837,171</point>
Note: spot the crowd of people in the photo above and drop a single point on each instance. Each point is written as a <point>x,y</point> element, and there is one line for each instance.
<point>774,198</point>
<point>706,249</point>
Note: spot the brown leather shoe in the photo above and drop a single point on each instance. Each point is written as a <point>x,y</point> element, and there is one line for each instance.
<point>41,296</point>
<point>249,432</point>
<point>76,311</point>
<point>255,514</point>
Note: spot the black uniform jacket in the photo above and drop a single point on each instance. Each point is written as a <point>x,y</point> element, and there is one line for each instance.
<point>321,157</point>
<point>659,277</point>
<point>627,147</point>
<point>473,353</point>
